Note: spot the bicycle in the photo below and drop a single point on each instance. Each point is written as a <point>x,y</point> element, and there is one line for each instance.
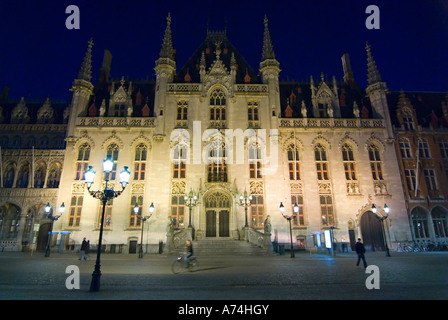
<point>178,265</point>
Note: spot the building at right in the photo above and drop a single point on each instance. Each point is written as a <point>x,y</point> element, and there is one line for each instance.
<point>421,137</point>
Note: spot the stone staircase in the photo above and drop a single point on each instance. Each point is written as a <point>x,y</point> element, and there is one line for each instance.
<point>226,246</point>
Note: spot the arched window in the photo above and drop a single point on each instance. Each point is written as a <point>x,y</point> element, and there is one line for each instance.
<point>419,221</point>
<point>217,108</point>
<point>349,162</point>
<point>140,162</point>
<point>54,175</point>
<point>440,221</point>
<point>320,155</point>
<point>23,177</point>
<point>8,178</point>
<point>376,164</point>
<point>112,154</point>
<point>217,167</point>
<point>82,163</point>
<point>293,162</point>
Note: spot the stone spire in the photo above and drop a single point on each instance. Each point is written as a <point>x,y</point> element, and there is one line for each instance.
<point>373,75</point>
<point>167,50</point>
<point>268,48</point>
<point>86,67</point>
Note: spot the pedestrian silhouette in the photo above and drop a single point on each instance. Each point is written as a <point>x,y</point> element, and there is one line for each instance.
<point>360,250</point>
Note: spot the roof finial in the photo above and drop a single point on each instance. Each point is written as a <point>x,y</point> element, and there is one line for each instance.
<point>167,50</point>
<point>373,75</point>
<point>86,66</point>
<point>268,48</point>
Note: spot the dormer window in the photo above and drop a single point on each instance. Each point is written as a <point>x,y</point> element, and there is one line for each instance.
<point>408,121</point>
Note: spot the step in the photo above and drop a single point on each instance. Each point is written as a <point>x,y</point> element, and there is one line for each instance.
<point>225,246</point>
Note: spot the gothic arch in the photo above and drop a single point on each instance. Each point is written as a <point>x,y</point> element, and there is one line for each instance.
<point>111,139</point>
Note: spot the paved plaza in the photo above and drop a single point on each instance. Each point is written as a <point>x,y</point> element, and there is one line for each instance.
<point>404,276</point>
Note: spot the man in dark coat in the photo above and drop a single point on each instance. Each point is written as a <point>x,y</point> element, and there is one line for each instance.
<point>84,248</point>
<point>360,250</point>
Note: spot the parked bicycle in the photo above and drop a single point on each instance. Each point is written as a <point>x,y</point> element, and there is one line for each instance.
<point>178,265</point>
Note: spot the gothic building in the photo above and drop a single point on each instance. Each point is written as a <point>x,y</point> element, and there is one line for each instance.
<point>228,135</point>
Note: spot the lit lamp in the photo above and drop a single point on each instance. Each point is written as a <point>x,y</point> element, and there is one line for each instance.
<point>191,200</point>
<point>381,218</point>
<point>289,218</point>
<point>104,195</point>
<point>245,200</point>
<point>53,218</point>
<point>136,210</point>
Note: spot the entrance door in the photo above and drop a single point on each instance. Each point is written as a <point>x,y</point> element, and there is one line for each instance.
<point>133,246</point>
<point>224,223</point>
<point>372,232</point>
<point>42,238</point>
<point>210,220</point>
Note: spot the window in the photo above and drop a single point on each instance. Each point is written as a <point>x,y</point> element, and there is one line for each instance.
<point>179,161</point>
<point>82,162</point>
<point>75,211</point>
<point>444,149</point>
<point>39,176</point>
<point>419,223</point>
<point>410,179</point>
<point>320,156</point>
<point>439,219</point>
<point>423,149</point>
<point>375,162</point>
<point>349,162</point>
<point>107,214</point>
<point>119,110</point>
<point>9,177</point>
<point>112,154</point>
<point>408,122</point>
<point>254,162</point>
<point>217,167</point>
<point>140,162</point>
<point>298,220</point>
<point>256,211</point>
<point>135,221</point>
<point>326,207</point>
<point>178,211</point>
<point>53,177</point>
<point>182,108</point>
<point>252,114</point>
<point>293,162</point>
<point>430,178</point>
<point>217,108</point>
<point>405,149</point>
<point>22,181</point>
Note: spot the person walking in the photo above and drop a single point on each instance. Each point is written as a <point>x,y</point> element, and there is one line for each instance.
<point>82,251</point>
<point>360,250</point>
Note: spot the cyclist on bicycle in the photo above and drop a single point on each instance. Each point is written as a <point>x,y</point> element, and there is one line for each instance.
<point>188,253</point>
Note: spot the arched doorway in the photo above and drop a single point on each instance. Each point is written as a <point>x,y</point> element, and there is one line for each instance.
<point>372,232</point>
<point>217,215</point>
<point>9,221</point>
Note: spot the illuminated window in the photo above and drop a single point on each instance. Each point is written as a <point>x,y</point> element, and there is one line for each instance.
<point>178,211</point>
<point>217,167</point>
<point>112,154</point>
<point>326,207</point>
<point>299,219</point>
<point>107,214</point>
<point>82,163</point>
<point>320,156</point>
<point>254,162</point>
<point>140,162</point>
<point>349,162</point>
<point>257,211</point>
<point>293,162</point>
<point>75,211</point>
<point>217,108</point>
<point>179,161</point>
<point>135,221</point>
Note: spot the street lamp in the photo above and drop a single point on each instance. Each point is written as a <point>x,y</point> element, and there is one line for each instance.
<point>104,195</point>
<point>53,217</point>
<point>289,218</point>
<point>381,218</point>
<point>151,210</point>
<point>191,200</point>
<point>245,202</point>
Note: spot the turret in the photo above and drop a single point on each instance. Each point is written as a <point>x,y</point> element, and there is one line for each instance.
<point>82,89</point>
<point>376,91</point>
<point>270,69</point>
<point>165,70</point>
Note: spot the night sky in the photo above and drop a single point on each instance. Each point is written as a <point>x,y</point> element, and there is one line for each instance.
<point>40,57</point>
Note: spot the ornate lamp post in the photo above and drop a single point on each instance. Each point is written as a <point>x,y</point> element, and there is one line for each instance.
<point>245,202</point>
<point>289,218</point>
<point>151,210</point>
<point>191,200</point>
<point>104,195</point>
<point>381,218</point>
<point>53,218</point>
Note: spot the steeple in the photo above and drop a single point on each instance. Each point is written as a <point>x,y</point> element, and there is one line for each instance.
<point>167,50</point>
<point>268,48</point>
<point>373,75</point>
<point>86,67</point>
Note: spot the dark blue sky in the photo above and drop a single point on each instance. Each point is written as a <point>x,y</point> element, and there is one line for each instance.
<point>39,57</point>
